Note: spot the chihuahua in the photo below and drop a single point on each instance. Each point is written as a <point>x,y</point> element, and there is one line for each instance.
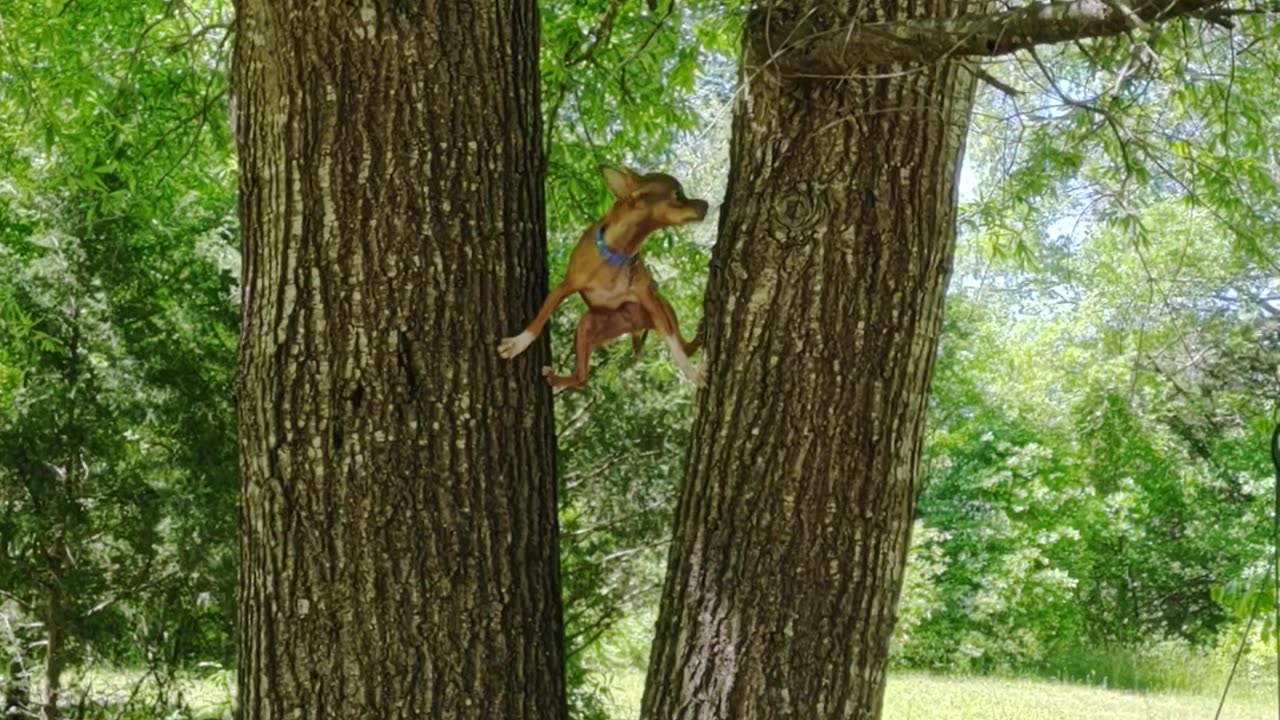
<point>607,270</point>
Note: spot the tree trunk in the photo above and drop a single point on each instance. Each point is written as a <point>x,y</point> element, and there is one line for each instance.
<point>54,632</point>
<point>399,538</point>
<point>823,310</point>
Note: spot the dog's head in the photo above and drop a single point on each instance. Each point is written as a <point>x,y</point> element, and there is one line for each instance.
<point>655,200</point>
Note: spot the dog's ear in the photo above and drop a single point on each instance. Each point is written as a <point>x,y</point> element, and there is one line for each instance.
<point>622,183</point>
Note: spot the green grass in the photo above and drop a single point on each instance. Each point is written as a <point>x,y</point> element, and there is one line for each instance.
<point>909,696</point>
<point>921,697</point>
<point>916,696</point>
<point>206,695</point>
<point>1165,666</point>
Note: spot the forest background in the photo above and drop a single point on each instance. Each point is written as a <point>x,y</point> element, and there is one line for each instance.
<point>1096,497</point>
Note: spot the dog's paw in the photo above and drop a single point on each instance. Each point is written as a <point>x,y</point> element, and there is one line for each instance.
<point>513,346</point>
<point>546,371</point>
<point>696,375</point>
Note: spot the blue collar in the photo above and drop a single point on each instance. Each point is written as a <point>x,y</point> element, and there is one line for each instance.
<point>611,256</point>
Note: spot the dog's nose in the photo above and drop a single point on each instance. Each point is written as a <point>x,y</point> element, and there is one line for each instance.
<point>700,206</point>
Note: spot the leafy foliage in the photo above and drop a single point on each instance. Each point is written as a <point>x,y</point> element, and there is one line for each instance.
<point>117,462</point>
<point>1093,470</point>
<point>1106,379</point>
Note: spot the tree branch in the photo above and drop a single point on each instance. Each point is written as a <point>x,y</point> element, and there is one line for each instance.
<point>599,36</point>
<point>839,51</point>
<point>993,81</point>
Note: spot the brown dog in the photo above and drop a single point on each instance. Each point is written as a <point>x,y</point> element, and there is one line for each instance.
<point>606,269</point>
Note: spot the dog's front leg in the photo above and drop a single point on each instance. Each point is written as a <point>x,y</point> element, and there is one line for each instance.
<point>513,346</point>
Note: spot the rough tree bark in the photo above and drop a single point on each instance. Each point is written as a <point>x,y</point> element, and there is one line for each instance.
<point>823,309</point>
<point>824,304</point>
<point>399,532</point>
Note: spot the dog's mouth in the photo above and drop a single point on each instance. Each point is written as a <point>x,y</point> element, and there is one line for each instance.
<point>680,212</point>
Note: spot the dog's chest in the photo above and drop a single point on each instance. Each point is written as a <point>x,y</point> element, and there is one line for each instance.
<point>610,292</point>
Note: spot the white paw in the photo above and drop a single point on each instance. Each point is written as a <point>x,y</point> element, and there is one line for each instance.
<point>513,346</point>
<point>694,374</point>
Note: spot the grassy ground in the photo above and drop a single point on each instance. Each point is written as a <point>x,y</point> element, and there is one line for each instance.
<point>206,695</point>
<point>916,697</point>
<point>912,696</point>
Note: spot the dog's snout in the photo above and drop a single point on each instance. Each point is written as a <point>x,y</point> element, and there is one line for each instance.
<point>699,206</point>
